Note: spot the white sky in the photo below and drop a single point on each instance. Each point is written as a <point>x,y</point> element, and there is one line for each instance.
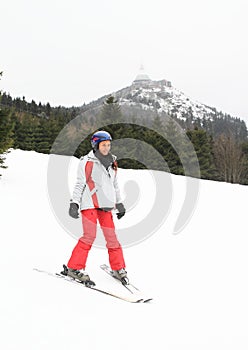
<point>71,52</point>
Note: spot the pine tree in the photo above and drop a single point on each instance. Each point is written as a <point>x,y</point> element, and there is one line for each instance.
<point>111,118</point>
<point>155,137</point>
<point>111,113</point>
<point>173,148</point>
<point>6,133</point>
<point>42,139</point>
<point>26,132</point>
<point>203,148</point>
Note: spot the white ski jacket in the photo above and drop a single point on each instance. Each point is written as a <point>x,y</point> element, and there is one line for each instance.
<point>96,186</point>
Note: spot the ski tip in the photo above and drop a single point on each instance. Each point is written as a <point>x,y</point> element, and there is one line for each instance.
<point>104,266</point>
<point>147,300</point>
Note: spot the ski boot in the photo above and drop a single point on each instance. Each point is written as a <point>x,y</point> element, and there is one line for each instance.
<point>78,275</point>
<point>121,275</point>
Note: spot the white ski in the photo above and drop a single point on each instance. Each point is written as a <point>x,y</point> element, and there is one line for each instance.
<point>129,286</point>
<point>130,299</point>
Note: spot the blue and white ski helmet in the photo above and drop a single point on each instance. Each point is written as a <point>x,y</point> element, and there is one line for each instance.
<point>98,137</point>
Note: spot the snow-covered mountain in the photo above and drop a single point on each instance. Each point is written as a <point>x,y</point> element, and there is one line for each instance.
<point>162,97</point>
<point>197,278</point>
<point>146,97</point>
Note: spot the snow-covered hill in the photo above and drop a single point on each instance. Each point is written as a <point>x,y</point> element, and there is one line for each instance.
<point>146,99</point>
<point>161,97</point>
<point>198,278</point>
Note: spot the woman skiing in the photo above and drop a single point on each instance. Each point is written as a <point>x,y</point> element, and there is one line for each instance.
<point>96,194</point>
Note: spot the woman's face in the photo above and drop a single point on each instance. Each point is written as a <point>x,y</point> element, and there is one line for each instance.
<point>104,147</point>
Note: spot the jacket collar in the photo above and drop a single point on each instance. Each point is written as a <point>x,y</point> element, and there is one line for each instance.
<point>91,156</point>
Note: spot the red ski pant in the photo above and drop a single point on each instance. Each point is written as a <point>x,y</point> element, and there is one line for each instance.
<point>80,252</point>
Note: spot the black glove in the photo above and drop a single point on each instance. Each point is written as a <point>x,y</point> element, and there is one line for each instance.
<point>121,209</point>
<point>73,210</point>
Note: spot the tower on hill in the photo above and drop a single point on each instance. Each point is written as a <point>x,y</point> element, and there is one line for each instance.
<point>142,77</point>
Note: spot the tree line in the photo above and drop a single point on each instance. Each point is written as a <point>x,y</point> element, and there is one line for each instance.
<point>222,156</point>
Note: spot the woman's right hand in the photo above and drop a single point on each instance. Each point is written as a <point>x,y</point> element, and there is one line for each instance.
<point>74,210</point>
<point>121,210</point>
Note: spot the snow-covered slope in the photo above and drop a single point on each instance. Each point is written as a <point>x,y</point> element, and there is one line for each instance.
<point>162,97</point>
<point>198,278</point>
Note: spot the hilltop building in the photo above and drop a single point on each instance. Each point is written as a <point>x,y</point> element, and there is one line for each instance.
<point>142,79</point>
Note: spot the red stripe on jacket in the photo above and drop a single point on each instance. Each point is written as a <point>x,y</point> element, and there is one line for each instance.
<point>90,182</point>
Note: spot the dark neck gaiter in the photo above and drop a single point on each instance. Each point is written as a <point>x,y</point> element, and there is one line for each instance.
<point>105,160</point>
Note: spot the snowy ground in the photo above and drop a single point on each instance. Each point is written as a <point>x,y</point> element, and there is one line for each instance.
<point>200,302</point>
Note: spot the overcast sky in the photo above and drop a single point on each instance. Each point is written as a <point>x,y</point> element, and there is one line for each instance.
<point>71,52</point>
